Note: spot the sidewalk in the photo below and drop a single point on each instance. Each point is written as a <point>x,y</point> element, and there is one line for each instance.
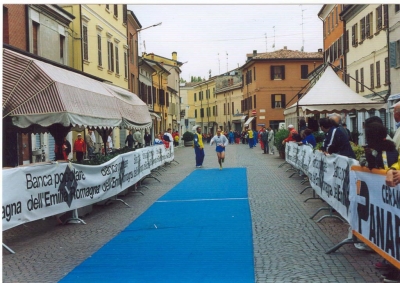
<point>288,246</point>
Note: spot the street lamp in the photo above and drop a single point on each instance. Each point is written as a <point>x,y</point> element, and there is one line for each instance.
<point>140,29</point>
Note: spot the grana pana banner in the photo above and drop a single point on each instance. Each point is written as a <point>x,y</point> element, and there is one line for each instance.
<point>38,191</point>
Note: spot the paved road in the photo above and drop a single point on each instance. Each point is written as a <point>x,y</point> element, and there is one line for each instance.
<point>288,246</point>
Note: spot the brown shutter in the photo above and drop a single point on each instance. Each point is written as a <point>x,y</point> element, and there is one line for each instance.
<point>283,72</point>
<point>272,72</point>
<point>273,101</point>
<point>283,103</point>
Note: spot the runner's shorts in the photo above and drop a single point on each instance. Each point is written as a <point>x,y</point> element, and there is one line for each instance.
<point>220,149</point>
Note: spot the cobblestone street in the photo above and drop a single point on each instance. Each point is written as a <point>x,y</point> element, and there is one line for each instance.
<point>288,246</point>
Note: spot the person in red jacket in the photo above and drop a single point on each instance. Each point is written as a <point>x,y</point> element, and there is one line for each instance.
<point>292,132</point>
<point>79,148</point>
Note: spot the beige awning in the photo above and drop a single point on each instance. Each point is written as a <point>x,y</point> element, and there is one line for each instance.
<point>155,116</point>
<point>248,121</point>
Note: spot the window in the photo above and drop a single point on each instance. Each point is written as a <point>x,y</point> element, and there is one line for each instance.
<point>379,18</point>
<point>107,6</point>
<point>332,19</point>
<point>132,84</point>
<point>208,112</point>
<point>110,52</point>
<point>324,28</point>
<point>278,101</point>
<point>277,72</point>
<point>85,43</point>
<point>362,79</point>
<point>155,90</point>
<point>337,15</point>
<point>201,112</point>
<point>167,99</point>
<point>116,60</point>
<point>62,43</point>
<point>148,94</point>
<point>99,59</point>
<point>195,97</point>
<point>354,35</point>
<point>201,95</point>
<point>116,11</point>
<point>35,38</point>
<point>362,29</point>
<point>224,108</point>
<point>378,74</point>
<point>328,25</point>
<point>357,83</point>
<point>125,65</point>
<point>214,95</point>
<point>385,16</point>
<point>229,111</point>
<point>304,71</point>
<point>254,74</point>
<point>195,113</point>
<point>346,41</point>
<point>386,70</point>
<point>372,75</point>
<point>255,101</point>
<point>394,54</point>
<point>368,25</point>
<point>396,8</point>
<point>131,48</point>
<point>233,107</point>
<point>6,31</point>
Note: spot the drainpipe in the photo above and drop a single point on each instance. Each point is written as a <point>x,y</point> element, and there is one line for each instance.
<point>80,32</point>
<point>27,27</point>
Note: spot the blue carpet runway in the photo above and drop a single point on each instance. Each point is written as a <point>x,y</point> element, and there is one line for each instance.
<point>200,231</point>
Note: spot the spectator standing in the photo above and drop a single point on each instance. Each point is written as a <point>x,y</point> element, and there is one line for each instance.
<point>109,142</point>
<point>264,140</point>
<point>147,139</point>
<point>335,140</point>
<point>396,114</point>
<point>129,139</point>
<point>231,137</point>
<point>291,136</point>
<point>308,138</point>
<point>198,147</point>
<point>271,140</point>
<point>79,148</point>
<point>89,143</point>
<point>137,136</point>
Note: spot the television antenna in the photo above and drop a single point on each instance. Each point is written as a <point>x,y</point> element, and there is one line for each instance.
<point>226,61</point>
<point>302,27</point>
<point>273,45</point>
<point>266,42</point>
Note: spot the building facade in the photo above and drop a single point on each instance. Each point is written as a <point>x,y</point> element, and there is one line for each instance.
<point>271,81</point>
<point>133,56</point>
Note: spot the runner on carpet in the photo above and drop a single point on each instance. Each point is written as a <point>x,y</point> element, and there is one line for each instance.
<point>221,142</point>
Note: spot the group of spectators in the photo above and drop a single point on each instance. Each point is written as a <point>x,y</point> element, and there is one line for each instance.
<point>380,152</point>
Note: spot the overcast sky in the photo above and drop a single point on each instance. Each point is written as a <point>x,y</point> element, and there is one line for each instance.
<point>218,37</point>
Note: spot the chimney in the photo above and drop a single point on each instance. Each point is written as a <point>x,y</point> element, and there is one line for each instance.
<point>285,47</point>
<point>174,56</point>
<point>254,53</point>
<point>320,50</point>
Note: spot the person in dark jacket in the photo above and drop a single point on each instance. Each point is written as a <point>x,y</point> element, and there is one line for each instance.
<point>335,140</point>
<point>379,152</point>
<point>130,139</point>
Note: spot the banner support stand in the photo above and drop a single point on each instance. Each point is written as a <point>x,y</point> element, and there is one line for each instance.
<point>330,215</point>
<point>351,240</point>
<point>75,218</point>
<point>283,164</point>
<point>8,249</point>
<point>308,187</point>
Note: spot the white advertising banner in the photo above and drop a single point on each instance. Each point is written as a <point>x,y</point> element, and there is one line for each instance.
<point>375,207</point>
<point>328,175</point>
<point>38,191</point>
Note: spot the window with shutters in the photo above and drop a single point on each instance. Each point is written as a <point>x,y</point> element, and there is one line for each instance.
<point>167,99</point>
<point>224,108</point>
<point>337,15</point>
<point>208,112</point>
<point>250,103</point>
<point>324,28</point>
<point>332,20</point>
<point>116,11</point>
<point>195,97</point>
<point>195,113</point>
<point>354,35</point>
<point>254,74</point>
<point>278,101</point>
<point>346,41</point>
<point>107,7</point>
<point>6,26</point>
<point>362,30</point>
<point>149,94</point>
<point>378,74</point>
<point>362,79</point>
<point>372,75</point>
<point>99,55</point>
<point>378,18</point>
<point>385,16</point>
<point>85,43</point>
<point>62,43</point>
<point>255,102</point>
<point>357,83</point>
<point>201,112</point>
<point>304,71</point>
<point>328,25</point>
<point>340,53</point>
<point>116,60</point>
<point>396,8</point>
<point>110,51</point>
<point>229,109</point>
<point>131,49</point>
<point>233,107</point>
<point>277,72</point>
<point>368,25</point>
<point>386,70</point>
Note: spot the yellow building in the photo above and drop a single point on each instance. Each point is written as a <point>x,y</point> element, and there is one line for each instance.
<point>99,44</point>
<point>205,104</point>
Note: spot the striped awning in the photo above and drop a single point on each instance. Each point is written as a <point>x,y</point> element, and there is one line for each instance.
<point>35,92</point>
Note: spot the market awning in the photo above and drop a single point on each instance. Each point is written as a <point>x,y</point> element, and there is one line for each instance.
<point>35,92</point>
<point>248,121</point>
<point>239,118</point>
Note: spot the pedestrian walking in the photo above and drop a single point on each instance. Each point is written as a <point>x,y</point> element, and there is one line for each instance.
<point>198,147</point>
<point>250,137</point>
<point>264,140</point>
<point>221,142</point>
<point>271,140</point>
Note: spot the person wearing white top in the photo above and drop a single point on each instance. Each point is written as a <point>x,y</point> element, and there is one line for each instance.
<point>221,142</point>
<point>109,142</point>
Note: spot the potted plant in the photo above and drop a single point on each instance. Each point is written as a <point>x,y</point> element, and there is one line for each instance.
<point>187,137</point>
<point>279,137</point>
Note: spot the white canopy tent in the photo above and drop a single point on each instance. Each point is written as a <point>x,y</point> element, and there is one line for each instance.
<point>330,94</point>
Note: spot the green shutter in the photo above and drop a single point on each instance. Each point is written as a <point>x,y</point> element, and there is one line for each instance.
<point>392,54</point>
